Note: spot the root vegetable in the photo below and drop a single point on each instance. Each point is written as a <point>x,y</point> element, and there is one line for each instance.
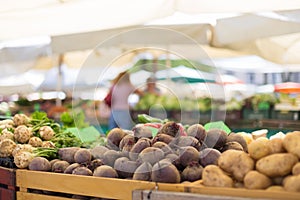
<point>7,147</point>
<point>276,145</point>
<point>83,156</point>
<point>124,167</point>
<point>53,161</point>
<point>291,142</point>
<point>165,172</point>
<point>215,138</point>
<point>141,131</point>
<point>184,141</point>
<point>22,159</point>
<point>296,169</point>
<point>174,159</point>
<point>46,132</point>
<point>70,168</point>
<point>20,119</point>
<point>48,144</point>
<point>192,172</point>
<point>279,164</point>
<point>6,134</point>
<point>187,155</point>
<point>163,146</point>
<point>67,154</point>
<point>162,138</point>
<point>22,147</point>
<point>84,171</point>
<point>105,171</point>
<point>60,166</point>
<point>114,138</point>
<point>98,152</point>
<point>232,145</point>
<point>238,163</point>
<point>111,156</point>
<point>292,184</point>
<point>35,142</point>
<point>258,149</point>
<point>141,144</point>
<point>214,176</point>
<point>128,139</point>
<point>233,137</point>
<point>151,155</point>
<point>22,134</point>
<point>94,164</point>
<point>170,128</point>
<point>39,164</point>
<point>209,156</point>
<point>256,180</point>
<point>197,131</point>
<point>143,172</point>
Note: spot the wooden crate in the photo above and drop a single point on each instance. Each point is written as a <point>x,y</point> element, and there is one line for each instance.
<point>7,184</point>
<point>55,186</point>
<point>62,186</point>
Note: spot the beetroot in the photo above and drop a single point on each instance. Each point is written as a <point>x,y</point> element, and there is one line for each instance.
<point>162,138</point>
<point>216,138</point>
<point>111,156</point>
<point>209,156</point>
<point>84,171</point>
<point>165,172</point>
<point>67,153</point>
<point>60,166</point>
<point>151,155</point>
<point>83,156</point>
<point>187,155</point>
<point>105,171</point>
<point>143,172</point>
<point>128,139</point>
<point>94,164</point>
<point>114,138</point>
<point>70,168</point>
<point>170,128</point>
<point>39,164</point>
<point>192,172</point>
<point>98,151</point>
<point>141,131</point>
<point>163,146</point>
<point>138,147</point>
<point>125,167</point>
<point>197,131</point>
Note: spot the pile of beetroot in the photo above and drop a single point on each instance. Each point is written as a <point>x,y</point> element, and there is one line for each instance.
<point>173,155</point>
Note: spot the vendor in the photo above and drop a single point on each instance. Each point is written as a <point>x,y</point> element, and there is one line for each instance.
<point>151,86</point>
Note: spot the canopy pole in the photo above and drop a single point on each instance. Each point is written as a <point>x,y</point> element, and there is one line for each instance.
<point>59,79</point>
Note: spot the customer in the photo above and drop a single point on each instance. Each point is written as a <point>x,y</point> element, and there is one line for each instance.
<point>120,114</point>
<point>151,87</point>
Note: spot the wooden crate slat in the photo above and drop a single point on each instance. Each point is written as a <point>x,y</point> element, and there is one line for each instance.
<point>33,196</point>
<point>247,193</point>
<point>6,194</point>
<point>163,195</point>
<point>7,176</point>
<point>87,185</point>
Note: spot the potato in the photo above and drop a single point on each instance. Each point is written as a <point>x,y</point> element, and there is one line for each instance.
<point>292,184</point>
<point>238,163</point>
<point>291,142</point>
<point>275,188</point>
<point>214,176</point>
<point>296,169</point>
<point>279,164</point>
<point>259,148</point>
<point>256,180</point>
<point>276,146</point>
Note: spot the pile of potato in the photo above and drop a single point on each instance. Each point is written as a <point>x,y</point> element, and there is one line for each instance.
<point>271,164</point>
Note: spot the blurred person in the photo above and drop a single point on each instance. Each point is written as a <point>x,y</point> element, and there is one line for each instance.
<point>120,90</point>
<point>151,86</point>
